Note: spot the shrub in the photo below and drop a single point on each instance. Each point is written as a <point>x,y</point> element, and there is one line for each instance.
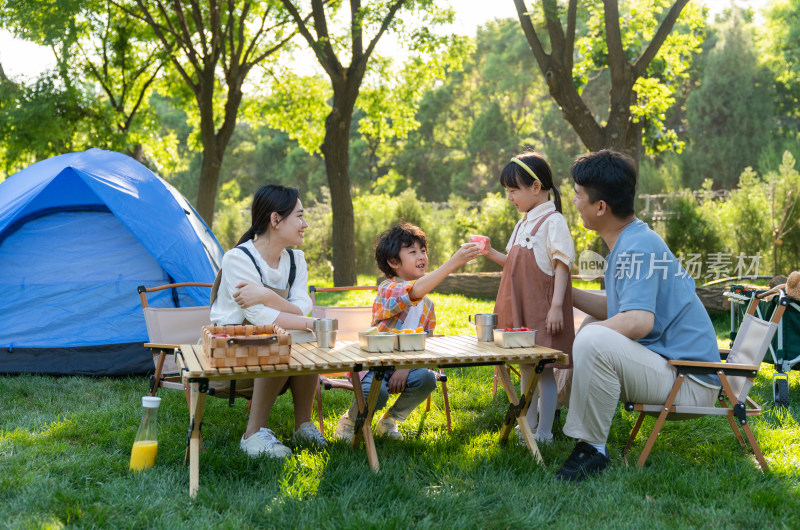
<point>318,236</point>
<point>745,218</point>
<point>496,218</point>
<point>232,216</point>
<point>692,227</point>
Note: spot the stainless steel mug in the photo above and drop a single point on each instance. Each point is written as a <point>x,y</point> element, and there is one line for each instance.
<point>325,331</point>
<point>485,324</point>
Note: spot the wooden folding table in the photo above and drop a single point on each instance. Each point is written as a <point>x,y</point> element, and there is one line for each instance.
<point>306,358</point>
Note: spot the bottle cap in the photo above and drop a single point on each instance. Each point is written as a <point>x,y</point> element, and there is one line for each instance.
<point>151,402</point>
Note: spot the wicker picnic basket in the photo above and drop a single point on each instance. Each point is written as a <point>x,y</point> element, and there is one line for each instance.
<point>246,345</point>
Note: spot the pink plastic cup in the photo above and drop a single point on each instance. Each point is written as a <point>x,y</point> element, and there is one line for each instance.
<point>482,241</point>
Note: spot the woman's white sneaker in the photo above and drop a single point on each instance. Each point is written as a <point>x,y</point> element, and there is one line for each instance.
<point>264,443</point>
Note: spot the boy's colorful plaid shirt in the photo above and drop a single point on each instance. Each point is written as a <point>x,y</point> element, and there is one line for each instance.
<point>392,303</point>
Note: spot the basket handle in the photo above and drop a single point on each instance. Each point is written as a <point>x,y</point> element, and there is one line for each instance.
<point>252,341</point>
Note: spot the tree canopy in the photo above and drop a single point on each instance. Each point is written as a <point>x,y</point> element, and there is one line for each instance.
<point>637,47</point>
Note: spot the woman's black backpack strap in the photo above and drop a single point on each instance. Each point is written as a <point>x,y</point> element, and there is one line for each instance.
<point>253,259</point>
<point>292,265</point>
<point>292,268</point>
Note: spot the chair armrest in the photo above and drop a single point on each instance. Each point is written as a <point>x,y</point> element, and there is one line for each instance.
<point>156,346</point>
<point>699,367</point>
<point>719,366</point>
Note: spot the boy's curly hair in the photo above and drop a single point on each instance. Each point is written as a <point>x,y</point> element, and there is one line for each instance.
<point>389,243</point>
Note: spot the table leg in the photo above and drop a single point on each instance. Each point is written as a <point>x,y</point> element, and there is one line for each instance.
<point>515,411</point>
<point>197,408</point>
<point>367,409</point>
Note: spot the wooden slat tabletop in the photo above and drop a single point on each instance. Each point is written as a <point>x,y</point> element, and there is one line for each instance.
<point>306,358</point>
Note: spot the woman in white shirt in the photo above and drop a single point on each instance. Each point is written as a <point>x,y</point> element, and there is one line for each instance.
<point>255,288</point>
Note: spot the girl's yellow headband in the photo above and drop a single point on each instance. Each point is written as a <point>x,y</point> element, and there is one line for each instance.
<point>524,166</point>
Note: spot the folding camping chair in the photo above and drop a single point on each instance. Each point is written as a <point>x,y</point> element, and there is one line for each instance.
<point>351,320</point>
<point>736,376</point>
<point>785,346</point>
<point>167,329</point>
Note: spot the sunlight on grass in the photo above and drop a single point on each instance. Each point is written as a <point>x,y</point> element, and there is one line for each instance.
<point>302,474</point>
<point>64,449</point>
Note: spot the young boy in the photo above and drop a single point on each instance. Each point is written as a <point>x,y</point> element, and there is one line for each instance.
<point>402,255</point>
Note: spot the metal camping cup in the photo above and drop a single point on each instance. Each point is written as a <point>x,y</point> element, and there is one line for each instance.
<point>485,324</point>
<point>325,331</point>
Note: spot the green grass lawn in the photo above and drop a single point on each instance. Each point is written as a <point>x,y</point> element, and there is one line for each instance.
<point>65,444</point>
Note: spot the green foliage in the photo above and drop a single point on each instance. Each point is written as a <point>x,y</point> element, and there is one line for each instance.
<point>232,217</point>
<point>778,45</point>
<point>318,236</point>
<point>745,216</point>
<point>784,216</point>
<point>655,89</point>
<point>659,175</point>
<point>496,219</point>
<point>297,105</point>
<point>692,227</point>
<point>730,115</point>
<point>45,118</point>
<point>656,92</point>
<point>488,142</point>
<point>471,124</point>
<point>106,69</point>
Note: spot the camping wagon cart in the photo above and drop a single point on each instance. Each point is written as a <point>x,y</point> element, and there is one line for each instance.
<point>785,347</point>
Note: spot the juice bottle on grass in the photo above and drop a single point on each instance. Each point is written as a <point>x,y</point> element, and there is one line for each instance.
<point>145,446</point>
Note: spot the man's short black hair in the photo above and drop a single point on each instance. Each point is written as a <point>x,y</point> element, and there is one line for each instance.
<point>609,176</point>
<point>390,242</point>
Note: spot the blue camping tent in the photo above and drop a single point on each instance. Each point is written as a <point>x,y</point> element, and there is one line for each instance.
<point>78,233</point>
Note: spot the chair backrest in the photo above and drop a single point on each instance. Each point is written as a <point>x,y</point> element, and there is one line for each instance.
<point>351,319</point>
<point>752,342</point>
<point>175,325</point>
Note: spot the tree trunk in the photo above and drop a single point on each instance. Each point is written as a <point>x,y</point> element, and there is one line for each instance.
<point>209,180</point>
<point>215,141</point>
<point>336,151</point>
<point>137,153</point>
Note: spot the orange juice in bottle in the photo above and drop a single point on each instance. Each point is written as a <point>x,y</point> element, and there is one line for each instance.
<point>145,446</point>
<point>143,455</point>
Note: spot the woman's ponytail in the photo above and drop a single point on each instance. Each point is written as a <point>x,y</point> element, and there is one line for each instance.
<point>247,236</point>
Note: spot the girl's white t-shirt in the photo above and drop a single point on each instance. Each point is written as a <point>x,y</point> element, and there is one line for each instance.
<point>552,242</point>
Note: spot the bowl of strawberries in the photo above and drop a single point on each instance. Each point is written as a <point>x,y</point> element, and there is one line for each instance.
<point>521,337</point>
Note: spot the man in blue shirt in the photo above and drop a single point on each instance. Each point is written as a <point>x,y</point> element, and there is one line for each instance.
<point>648,315</point>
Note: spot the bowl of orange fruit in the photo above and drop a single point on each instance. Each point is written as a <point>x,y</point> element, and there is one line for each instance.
<point>410,339</point>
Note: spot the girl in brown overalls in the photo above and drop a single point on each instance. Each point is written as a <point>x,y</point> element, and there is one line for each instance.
<point>535,288</point>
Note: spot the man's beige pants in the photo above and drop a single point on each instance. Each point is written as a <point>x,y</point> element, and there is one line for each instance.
<point>608,368</point>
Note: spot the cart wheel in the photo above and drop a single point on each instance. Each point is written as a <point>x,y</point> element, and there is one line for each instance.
<point>781,392</point>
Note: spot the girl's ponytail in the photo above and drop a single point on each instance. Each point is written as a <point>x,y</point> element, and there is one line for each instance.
<point>557,199</point>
